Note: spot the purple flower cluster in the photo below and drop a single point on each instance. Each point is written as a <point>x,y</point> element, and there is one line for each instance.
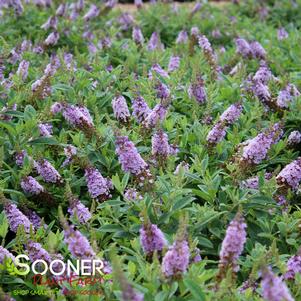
<point>233,244</point>
<point>159,70</point>
<point>154,42</point>
<point>132,194</point>
<point>37,252</point>
<point>137,36</point>
<point>231,114</point>
<point>47,171</point>
<point>294,138</point>
<point>249,50</point>
<point>19,157</point>
<point>293,267</point>
<point>282,34</point>
<point>92,13</point>
<point>78,209</point>
<point>256,149</point>
<point>45,129</point>
<point>52,39</point>
<point>182,37</point>
<point>16,218</point>
<point>120,109</point>
<point>216,134</point>
<point>140,109</point>
<point>51,23</point>
<point>128,156</point>
<point>23,69</point>
<point>77,116</point>
<point>174,63</point>
<point>70,152</point>
<point>253,183</point>
<point>263,75</point>
<point>156,116</point>
<point>34,218</point>
<point>197,91</point>
<point>5,254</point>
<point>162,90</point>
<point>31,186</point>
<point>98,186</point>
<point>286,95</point>
<point>160,145</point>
<point>176,260</point>
<point>290,175</point>
<point>78,244</point>
<point>151,238</point>
<point>273,287</point>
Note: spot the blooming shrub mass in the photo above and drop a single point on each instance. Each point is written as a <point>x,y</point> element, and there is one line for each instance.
<point>162,141</point>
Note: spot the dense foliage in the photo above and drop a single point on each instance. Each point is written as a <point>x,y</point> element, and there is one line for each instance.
<point>163,141</point>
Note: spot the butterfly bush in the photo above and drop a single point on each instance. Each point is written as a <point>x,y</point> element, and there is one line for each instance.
<point>78,209</point>
<point>294,138</point>
<point>140,108</point>
<point>151,238</point>
<point>47,171</point>
<point>256,149</point>
<point>5,254</point>
<point>37,252</point>
<point>98,186</point>
<point>31,185</point>
<point>290,175</point>
<point>16,218</point>
<point>233,244</point>
<point>77,243</point>
<point>120,109</point>
<point>175,261</point>
<point>273,287</point>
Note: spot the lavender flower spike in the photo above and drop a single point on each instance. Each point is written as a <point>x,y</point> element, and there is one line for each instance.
<point>174,63</point>
<point>23,69</point>
<point>140,109</point>
<point>231,114</point>
<point>243,47</point>
<point>31,186</point>
<point>293,266</point>
<point>52,39</point>
<point>36,251</point>
<point>273,288</point>
<point>233,245</point>
<point>47,171</point>
<point>4,253</point>
<point>120,109</point>
<point>256,149</point>
<point>217,133</point>
<point>290,175</point>
<point>80,210</point>
<point>197,91</point>
<point>176,260</point>
<point>137,36</point>
<point>156,116</point>
<point>128,156</point>
<point>45,129</point>
<point>151,238</point>
<point>78,244</point>
<point>98,186</point>
<point>160,145</point>
<point>294,138</point>
<point>16,218</point>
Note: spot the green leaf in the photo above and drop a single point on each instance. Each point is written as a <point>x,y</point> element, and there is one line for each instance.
<point>44,140</point>
<point>194,289</point>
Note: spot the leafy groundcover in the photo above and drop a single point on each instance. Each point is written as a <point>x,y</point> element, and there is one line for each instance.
<point>160,143</point>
